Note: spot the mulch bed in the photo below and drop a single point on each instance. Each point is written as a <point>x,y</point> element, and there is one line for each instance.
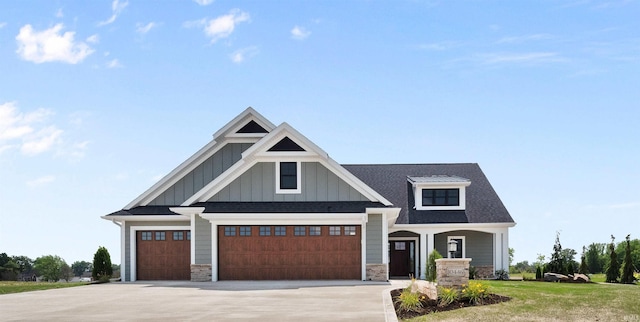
<point>431,306</point>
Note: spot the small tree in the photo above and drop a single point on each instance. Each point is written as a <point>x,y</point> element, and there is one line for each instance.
<point>583,262</point>
<point>556,264</point>
<point>102,269</point>
<point>613,269</point>
<point>430,274</point>
<point>79,267</point>
<point>50,267</point>
<point>627,267</point>
<point>539,272</point>
<point>65,272</point>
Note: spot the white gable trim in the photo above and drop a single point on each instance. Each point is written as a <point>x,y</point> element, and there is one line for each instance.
<point>259,153</point>
<point>230,129</point>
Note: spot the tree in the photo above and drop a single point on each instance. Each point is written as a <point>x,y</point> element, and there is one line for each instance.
<point>596,257</point>
<point>8,268</point>
<point>621,250</point>
<point>511,254</point>
<point>102,269</point>
<point>65,272</point>
<point>556,264</point>
<point>583,262</point>
<point>25,264</point>
<point>50,267</point>
<point>627,267</point>
<point>613,269</point>
<point>430,274</point>
<point>79,267</point>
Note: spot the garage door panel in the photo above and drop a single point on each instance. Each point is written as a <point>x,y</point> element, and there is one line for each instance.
<point>166,259</point>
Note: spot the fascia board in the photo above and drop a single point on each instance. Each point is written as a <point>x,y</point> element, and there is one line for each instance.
<point>452,226</point>
<point>261,147</point>
<point>147,218</point>
<point>247,114</point>
<point>286,218</point>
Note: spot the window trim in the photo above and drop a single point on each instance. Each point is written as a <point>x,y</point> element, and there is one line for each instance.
<point>464,245</point>
<point>447,197</point>
<point>461,196</point>
<point>298,189</point>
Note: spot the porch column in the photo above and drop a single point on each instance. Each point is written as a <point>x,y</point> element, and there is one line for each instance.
<point>424,246</point>
<point>214,252</point>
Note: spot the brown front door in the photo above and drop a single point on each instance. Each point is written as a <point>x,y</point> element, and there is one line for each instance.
<point>289,253</point>
<point>163,255</point>
<point>400,258</point>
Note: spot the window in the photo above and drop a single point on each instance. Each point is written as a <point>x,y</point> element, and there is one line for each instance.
<point>288,177</point>
<point>160,235</point>
<point>265,231</point>
<point>349,230</point>
<point>299,231</point>
<point>281,231</point>
<point>334,230</point>
<point>245,230</point>
<point>146,235</point>
<point>229,231</point>
<point>178,235</point>
<point>400,245</point>
<point>440,197</point>
<point>188,235</point>
<point>315,231</point>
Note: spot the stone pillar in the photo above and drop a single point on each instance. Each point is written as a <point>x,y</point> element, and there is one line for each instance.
<point>377,272</point>
<point>201,272</point>
<point>452,272</point>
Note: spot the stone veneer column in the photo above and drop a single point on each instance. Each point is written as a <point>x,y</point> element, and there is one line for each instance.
<point>452,272</point>
<point>201,272</point>
<point>377,272</point>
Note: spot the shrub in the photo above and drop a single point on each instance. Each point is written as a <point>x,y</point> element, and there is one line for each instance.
<point>409,301</point>
<point>102,270</point>
<point>613,269</point>
<point>538,272</point>
<point>501,274</point>
<point>431,266</point>
<point>475,292</point>
<point>627,266</point>
<point>447,296</point>
<point>473,273</point>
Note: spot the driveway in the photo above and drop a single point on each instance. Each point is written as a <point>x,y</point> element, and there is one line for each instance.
<point>206,301</point>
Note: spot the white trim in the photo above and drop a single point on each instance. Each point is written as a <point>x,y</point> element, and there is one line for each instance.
<point>464,245</point>
<point>462,199</point>
<point>147,218</point>
<point>123,249</point>
<point>257,219</point>
<point>214,252</point>
<point>298,188</point>
<point>249,114</point>
<point>133,238</point>
<point>441,228</point>
<point>416,252</point>
<point>363,248</point>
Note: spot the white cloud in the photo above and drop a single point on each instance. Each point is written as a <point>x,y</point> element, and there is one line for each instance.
<point>2,24</point>
<point>203,2</point>
<point>59,13</point>
<point>39,182</point>
<point>220,27</point>
<point>42,141</point>
<point>116,9</point>
<point>27,132</point>
<point>534,57</point>
<point>114,64</point>
<point>143,29</point>
<point>94,39</point>
<point>439,46</point>
<point>299,33</point>
<point>241,55</point>
<point>50,45</point>
<point>521,39</point>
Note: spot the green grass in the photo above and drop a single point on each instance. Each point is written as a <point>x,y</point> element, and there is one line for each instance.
<point>8,287</point>
<point>540,301</point>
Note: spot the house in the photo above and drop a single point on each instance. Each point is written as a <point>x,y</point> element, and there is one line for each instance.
<point>262,202</point>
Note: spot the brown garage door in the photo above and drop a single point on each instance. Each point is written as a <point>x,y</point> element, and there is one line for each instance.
<point>163,255</point>
<point>289,252</point>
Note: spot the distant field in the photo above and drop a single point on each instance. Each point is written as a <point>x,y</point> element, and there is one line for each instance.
<point>7,287</point>
<point>544,301</point>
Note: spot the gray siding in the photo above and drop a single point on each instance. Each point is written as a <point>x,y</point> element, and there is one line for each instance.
<point>127,238</point>
<point>374,239</point>
<point>317,184</point>
<point>204,173</point>
<point>202,237</point>
<point>479,245</point>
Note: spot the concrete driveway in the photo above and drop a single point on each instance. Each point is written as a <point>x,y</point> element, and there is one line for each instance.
<point>220,301</point>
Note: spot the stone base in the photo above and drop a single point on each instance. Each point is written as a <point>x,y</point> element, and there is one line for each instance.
<point>452,272</point>
<point>377,272</point>
<point>201,272</point>
<point>484,271</point>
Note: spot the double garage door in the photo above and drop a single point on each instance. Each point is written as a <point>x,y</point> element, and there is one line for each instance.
<point>256,253</point>
<point>289,252</point>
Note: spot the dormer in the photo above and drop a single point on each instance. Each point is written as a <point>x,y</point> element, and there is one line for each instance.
<point>439,192</point>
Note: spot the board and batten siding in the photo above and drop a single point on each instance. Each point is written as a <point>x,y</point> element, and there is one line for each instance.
<point>479,245</point>
<point>204,173</point>
<point>374,239</point>
<point>317,183</point>
<point>127,238</point>
<point>202,238</point>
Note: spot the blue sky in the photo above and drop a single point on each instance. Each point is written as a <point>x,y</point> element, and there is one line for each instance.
<point>100,99</point>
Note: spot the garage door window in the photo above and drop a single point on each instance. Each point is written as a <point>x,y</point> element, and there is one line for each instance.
<point>160,235</point>
<point>188,235</point>
<point>265,231</point>
<point>146,235</point>
<point>245,230</point>
<point>334,230</point>
<point>178,235</point>
<point>299,230</point>
<point>314,231</point>
<point>281,231</point>
<point>229,231</point>
<point>349,230</point>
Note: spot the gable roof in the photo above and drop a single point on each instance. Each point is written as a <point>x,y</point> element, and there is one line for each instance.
<point>391,180</point>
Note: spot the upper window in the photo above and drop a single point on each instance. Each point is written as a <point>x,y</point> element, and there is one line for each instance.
<point>146,235</point>
<point>281,231</point>
<point>245,230</point>
<point>229,231</point>
<point>350,230</point>
<point>334,230</point>
<point>440,197</point>
<point>288,177</point>
<point>178,235</point>
<point>315,231</point>
<point>299,231</point>
<point>265,230</point>
<point>160,235</point>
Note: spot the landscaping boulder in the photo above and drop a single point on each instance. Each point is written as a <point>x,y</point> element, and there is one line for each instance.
<point>581,278</point>
<point>427,288</point>
<point>554,277</point>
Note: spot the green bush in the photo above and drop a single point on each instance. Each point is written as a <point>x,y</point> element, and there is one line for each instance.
<point>102,269</point>
<point>473,273</point>
<point>431,266</point>
<point>501,274</point>
<point>538,272</point>
<point>447,296</point>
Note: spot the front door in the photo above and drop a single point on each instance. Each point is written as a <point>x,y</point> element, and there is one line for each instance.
<point>401,258</point>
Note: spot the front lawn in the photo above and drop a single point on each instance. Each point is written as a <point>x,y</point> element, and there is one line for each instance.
<point>7,287</point>
<point>543,301</point>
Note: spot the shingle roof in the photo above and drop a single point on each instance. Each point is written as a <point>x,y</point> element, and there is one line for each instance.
<point>390,180</point>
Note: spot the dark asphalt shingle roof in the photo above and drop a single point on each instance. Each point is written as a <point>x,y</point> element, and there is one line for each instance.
<point>390,180</point>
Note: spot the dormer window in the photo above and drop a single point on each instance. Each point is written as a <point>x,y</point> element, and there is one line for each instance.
<point>288,177</point>
<point>439,192</point>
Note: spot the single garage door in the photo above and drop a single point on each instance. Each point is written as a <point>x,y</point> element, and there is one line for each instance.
<point>289,252</point>
<point>163,255</point>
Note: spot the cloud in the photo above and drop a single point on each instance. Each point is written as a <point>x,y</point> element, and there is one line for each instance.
<point>50,45</point>
<point>241,54</point>
<point>39,182</point>
<point>439,46</point>
<point>299,33</point>
<point>94,39</point>
<point>42,141</point>
<point>220,27</point>
<point>114,64</point>
<point>116,9</point>
<point>143,29</point>
<point>521,39</point>
<point>203,2</point>
<point>2,24</point>
<point>25,131</point>
<point>534,57</point>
